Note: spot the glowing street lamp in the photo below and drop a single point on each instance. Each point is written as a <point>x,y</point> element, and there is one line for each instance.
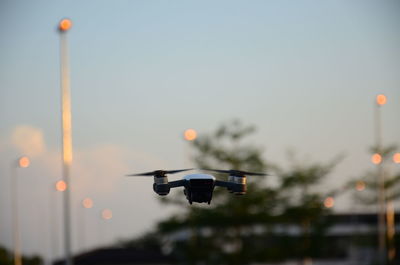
<point>329,202</point>
<point>65,25</point>
<point>190,135</point>
<point>61,185</point>
<point>376,159</point>
<point>106,214</point>
<point>360,185</point>
<point>22,162</point>
<point>396,158</point>
<point>87,203</point>
<point>381,100</point>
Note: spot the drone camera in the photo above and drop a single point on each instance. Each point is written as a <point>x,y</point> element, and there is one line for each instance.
<point>201,190</point>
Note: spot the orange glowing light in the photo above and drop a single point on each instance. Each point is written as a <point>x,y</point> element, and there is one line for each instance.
<point>24,162</point>
<point>190,135</point>
<point>381,99</point>
<point>329,202</point>
<point>376,159</point>
<point>65,24</point>
<point>106,214</point>
<point>396,158</point>
<point>61,185</point>
<point>87,203</point>
<point>360,185</point>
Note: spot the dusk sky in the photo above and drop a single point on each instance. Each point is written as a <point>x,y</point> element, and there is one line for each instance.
<point>305,73</point>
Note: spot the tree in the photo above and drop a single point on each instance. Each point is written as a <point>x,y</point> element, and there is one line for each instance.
<point>245,229</point>
<point>369,180</point>
<point>368,187</point>
<point>7,258</point>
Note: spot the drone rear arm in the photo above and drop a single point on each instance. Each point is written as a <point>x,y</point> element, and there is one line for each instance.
<point>225,184</point>
<point>236,188</point>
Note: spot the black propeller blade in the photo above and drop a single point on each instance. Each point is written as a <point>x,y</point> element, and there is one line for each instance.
<point>238,173</point>
<point>159,173</point>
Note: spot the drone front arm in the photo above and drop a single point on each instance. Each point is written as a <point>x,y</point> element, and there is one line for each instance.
<point>162,187</point>
<point>177,183</point>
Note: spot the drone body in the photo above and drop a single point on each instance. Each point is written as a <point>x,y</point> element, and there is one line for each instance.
<point>199,187</point>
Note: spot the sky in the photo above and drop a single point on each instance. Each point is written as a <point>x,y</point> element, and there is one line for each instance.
<point>305,73</point>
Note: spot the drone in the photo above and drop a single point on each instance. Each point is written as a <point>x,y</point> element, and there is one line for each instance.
<point>199,187</point>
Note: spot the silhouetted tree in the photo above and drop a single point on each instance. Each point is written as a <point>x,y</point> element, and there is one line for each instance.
<point>148,241</point>
<point>367,187</point>
<point>369,180</point>
<point>250,228</point>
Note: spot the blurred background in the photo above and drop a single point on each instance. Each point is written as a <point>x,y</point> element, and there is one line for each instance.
<point>289,88</point>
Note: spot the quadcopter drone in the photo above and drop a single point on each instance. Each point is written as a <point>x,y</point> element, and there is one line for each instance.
<point>199,187</point>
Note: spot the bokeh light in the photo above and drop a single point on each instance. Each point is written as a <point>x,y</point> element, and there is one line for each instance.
<point>360,185</point>
<point>65,24</point>
<point>87,203</point>
<point>106,214</point>
<point>329,202</point>
<point>376,159</point>
<point>24,161</point>
<point>396,158</point>
<point>381,99</point>
<point>61,185</point>
<point>190,135</point>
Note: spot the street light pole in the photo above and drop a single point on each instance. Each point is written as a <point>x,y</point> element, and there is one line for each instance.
<point>21,162</point>
<point>64,26</point>
<point>16,236</point>
<point>188,135</point>
<point>86,204</point>
<point>380,101</point>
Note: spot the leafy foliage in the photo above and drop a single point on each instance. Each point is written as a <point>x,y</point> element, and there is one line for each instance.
<point>257,226</point>
<point>367,193</point>
<point>148,241</point>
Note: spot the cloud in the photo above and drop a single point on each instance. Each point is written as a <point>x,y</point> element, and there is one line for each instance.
<point>28,140</point>
<point>97,172</point>
<point>103,167</point>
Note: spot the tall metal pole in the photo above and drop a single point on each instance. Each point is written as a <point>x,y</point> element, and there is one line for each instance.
<point>64,26</point>
<point>380,100</point>
<point>188,135</point>
<point>21,162</point>
<point>54,235</point>
<point>16,235</point>
<point>391,230</point>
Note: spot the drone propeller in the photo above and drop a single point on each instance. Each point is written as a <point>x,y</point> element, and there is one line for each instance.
<point>238,173</point>
<point>159,173</point>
